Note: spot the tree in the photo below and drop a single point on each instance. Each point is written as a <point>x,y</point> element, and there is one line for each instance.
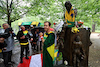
<point>11,10</point>
<point>49,10</point>
<point>46,10</point>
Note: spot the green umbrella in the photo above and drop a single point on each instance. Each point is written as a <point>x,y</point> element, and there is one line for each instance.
<point>26,23</point>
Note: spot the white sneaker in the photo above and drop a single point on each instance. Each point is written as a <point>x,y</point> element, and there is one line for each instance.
<point>1,60</point>
<point>65,62</point>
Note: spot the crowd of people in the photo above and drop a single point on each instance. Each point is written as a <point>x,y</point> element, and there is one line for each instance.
<point>25,36</point>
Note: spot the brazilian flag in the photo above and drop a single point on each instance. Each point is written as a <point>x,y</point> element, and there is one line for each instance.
<point>70,17</point>
<point>48,49</point>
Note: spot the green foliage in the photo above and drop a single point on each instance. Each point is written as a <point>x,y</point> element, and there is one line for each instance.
<point>1,22</point>
<point>11,10</point>
<point>53,10</point>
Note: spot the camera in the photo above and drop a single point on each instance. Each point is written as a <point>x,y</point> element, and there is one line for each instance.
<point>3,35</point>
<point>8,30</point>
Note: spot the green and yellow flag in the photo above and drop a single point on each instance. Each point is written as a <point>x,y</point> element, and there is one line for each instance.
<point>48,49</point>
<point>70,17</point>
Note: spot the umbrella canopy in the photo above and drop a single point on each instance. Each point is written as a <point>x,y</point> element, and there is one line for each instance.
<point>19,23</point>
<point>40,29</point>
<point>41,24</point>
<point>26,23</point>
<point>35,23</point>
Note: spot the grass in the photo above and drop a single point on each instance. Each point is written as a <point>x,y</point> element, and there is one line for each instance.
<point>97,31</point>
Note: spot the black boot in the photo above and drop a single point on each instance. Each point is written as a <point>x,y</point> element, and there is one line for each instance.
<point>27,58</point>
<point>21,61</point>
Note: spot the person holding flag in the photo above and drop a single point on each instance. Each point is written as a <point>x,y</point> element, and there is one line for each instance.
<point>48,45</point>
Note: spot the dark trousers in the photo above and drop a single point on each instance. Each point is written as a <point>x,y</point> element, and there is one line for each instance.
<point>40,45</point>
<point>7,57</point>
<point>22,50</point>
<point>34,45</point>
<point>1,56</point>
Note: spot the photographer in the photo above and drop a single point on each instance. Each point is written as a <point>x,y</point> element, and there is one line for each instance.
<point>2,41</point>
<point>2,45</point>
<point>7,53</point>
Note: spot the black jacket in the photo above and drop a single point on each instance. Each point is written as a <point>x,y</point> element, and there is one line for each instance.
<point>35,38</point>
<point>2,45</point>
<point>20,34</point>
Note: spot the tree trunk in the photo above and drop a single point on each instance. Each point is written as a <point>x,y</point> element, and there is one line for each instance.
<point>9,21</point>
<point>93,28</point>
<point>8,14</point>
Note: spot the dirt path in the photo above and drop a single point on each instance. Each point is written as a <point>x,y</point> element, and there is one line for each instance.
<point>94,52</point>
